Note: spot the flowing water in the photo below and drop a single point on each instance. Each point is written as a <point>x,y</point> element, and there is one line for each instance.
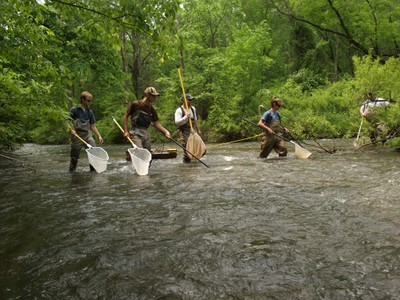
<point>246,228</point>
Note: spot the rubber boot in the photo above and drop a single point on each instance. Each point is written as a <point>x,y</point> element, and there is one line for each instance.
<point>186,158</point>
<point>72,164</point>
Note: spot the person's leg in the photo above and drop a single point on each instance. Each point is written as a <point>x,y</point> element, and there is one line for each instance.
<point>76,147</point>
<point>381,131</point>
<point>90,140</point>
<point>73,163</point>
<point>141,138</point>
<point>146,142</point>
<point>184,136</point>
<point>267,144</point>
<point>280,147</point>
<point>137,141</point>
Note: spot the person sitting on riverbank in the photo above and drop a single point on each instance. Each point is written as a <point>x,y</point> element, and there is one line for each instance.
<point>370,111</point>
<point>271,123</point>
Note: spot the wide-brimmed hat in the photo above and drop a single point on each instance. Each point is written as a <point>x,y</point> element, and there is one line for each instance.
<point>151,90</point>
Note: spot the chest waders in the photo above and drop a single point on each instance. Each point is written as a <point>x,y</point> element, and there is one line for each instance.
<point>272,141</point>
<point>82,127</point>
<point>184,133</point>
<point>140,122</point>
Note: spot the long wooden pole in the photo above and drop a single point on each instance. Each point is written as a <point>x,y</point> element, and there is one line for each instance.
<point>119,126</point>
<point>184,97</point>
<point>176,142</point>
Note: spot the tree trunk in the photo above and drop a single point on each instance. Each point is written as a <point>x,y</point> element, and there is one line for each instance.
<point>125,68</point>
<point>336,62</point>
<point>136,67</point>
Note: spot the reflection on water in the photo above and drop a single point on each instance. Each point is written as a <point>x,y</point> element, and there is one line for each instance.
<point>245,228</point>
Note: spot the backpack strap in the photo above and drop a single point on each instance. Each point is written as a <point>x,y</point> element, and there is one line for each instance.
<point>184,112</point>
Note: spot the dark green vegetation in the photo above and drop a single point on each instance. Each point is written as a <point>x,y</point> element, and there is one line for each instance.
<point>320,57</point>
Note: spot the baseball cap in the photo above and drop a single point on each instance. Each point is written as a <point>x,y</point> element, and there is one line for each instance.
<point>188,97</point>
<point>151,90</point>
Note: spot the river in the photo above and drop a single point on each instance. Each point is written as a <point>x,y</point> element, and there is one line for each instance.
<point>327,227</point>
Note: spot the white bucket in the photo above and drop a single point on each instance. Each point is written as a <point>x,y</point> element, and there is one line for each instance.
<point>98,158</point>
<point>140,160</point>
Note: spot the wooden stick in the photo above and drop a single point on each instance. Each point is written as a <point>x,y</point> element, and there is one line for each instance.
<point>17,161</point>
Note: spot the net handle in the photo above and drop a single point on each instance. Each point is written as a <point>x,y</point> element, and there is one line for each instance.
<point>184,97</point>
<point>81,139</point>
<point>119,126</point>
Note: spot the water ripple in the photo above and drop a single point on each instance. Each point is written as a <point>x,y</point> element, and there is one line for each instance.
<point>245,228</point>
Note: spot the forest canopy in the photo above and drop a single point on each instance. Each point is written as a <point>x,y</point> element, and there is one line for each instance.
<point>235,55</point>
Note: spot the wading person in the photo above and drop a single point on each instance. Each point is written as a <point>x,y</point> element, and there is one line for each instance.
<point>84,121</point>
<point>142,114</point>
<point>182,116</point>
<point>370,111</point>
<point>271,123</point>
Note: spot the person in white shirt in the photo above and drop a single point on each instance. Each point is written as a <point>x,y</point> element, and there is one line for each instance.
<point>182,116</point>
<point>370,111</point>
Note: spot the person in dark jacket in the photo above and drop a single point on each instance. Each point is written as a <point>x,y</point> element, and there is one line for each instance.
<point>84,122</point>
<point>142,114</point>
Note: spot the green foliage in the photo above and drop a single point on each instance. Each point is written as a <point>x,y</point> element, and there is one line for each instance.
<point>326,112</point>
<point>332,110</point>
<point>308,80</point>
<point>300,43</point>
<point>244,61</point>
<point>27,73</point>
<point>236,55</point>
<point>57,133</point>
<point>372,75</point>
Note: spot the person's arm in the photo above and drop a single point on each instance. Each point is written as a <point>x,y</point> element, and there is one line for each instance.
<point>72,131</point>
<point>162,129</point>
<point>70,121</point>
<point>284,128</point>
<point>364,110</point>
<point>179,119</point>
<point>125,124</point>
<point>96,131</point>
<point>265,127</point>
<point>125,120</point>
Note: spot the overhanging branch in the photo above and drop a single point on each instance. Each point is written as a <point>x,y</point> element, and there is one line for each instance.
<point>345,34</point>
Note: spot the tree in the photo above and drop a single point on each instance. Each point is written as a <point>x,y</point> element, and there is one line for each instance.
<point>367,26</point>
<point>53,51</point>
<point>30,75</point>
